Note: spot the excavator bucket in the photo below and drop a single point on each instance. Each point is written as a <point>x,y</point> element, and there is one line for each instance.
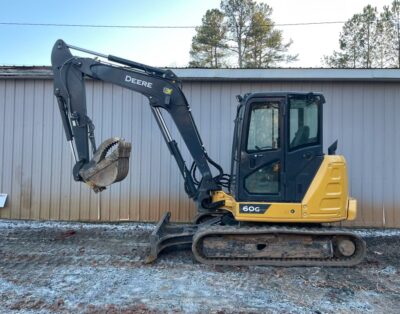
<point>110,164</point>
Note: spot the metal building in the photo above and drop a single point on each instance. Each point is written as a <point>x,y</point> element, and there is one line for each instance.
<point>362,112</point>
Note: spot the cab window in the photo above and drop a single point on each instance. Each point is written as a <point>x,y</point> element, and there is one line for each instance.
<point>264,127</point>
<point>304,122</point>
<point>265,180</point>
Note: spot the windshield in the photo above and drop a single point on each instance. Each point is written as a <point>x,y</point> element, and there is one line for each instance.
<point>264,127</point>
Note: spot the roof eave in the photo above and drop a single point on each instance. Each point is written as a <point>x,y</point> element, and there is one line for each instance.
<point>192,74</point>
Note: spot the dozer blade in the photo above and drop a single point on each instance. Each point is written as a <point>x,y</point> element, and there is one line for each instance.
<point>109,164</point>
<point>168,235</point>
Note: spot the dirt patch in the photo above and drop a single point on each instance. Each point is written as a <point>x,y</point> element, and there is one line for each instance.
<point>99,268</point>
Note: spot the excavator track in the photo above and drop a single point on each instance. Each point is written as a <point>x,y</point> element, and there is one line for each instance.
<point>277,246</point>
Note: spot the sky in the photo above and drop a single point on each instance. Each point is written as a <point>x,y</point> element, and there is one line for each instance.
<point>31,45</point>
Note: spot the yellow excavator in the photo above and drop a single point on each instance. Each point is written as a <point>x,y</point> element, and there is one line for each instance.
<point>281,190</point>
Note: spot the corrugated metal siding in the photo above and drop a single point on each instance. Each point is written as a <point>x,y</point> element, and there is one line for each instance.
<point>35,160</point>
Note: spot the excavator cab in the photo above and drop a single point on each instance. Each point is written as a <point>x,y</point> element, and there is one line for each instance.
<point>279,172</point>
<point>277,146</point>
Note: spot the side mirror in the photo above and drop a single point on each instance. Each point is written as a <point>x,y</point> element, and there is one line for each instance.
<point>332,149</point>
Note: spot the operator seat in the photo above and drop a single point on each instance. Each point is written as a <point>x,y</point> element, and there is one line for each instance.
<point>302,136</point>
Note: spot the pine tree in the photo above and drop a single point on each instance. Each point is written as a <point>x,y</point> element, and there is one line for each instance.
<point>385,40</point>
<point>243,27</point>
<point>265,47</point>
<point>238,15</point>
<point>389,35</point>
<point>252,35</point>
<point>209,43</point>
<point>396,25</point>
<point>367,35</point>
<point>370,40</point>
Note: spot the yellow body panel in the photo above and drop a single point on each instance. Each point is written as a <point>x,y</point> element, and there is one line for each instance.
<point>352,209</point>
<point>326,200</point>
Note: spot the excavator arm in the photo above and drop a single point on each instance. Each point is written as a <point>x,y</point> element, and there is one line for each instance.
<point>163,90</point>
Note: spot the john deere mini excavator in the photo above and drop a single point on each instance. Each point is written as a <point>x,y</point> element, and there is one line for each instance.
<point>282,188</point>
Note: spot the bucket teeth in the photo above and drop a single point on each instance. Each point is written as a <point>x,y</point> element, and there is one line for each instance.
<point>110,164</point>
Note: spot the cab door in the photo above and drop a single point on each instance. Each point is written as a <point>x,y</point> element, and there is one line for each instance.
<point>260,176</point>
<point>304,143</point>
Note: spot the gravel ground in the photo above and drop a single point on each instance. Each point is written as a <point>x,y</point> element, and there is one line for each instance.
<point>54,267</point>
